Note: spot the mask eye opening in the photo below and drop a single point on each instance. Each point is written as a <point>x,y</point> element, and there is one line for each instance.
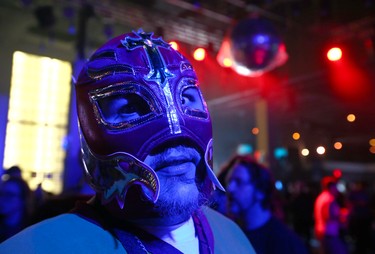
<point>124,106</point>
<point>191,99</point>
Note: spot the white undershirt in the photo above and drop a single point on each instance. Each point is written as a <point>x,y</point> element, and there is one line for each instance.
<point>181,236</point>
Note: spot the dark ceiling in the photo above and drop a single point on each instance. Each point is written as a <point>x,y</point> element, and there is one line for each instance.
<point>306,94</point>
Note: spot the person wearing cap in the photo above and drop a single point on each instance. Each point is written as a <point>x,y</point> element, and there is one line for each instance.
<point>146,138</point>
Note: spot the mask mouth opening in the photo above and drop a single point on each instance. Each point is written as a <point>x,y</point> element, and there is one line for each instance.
<point>112,176</point>
<point>185,142</point>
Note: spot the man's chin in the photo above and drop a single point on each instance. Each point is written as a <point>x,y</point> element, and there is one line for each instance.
<point>184,191</point>
<point>182,199</point>
<point>173,206</point>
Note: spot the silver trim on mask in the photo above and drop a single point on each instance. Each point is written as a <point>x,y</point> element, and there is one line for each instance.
<point>113,175</point>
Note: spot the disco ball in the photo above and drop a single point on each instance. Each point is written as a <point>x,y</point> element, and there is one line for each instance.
<point>255,45</point>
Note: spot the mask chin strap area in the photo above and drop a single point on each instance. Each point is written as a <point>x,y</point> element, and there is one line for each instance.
<point>114,174</point>
<point>208,156</point>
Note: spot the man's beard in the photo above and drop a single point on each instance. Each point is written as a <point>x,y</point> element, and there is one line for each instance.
<point>172,203</point>
<point>179,195</point>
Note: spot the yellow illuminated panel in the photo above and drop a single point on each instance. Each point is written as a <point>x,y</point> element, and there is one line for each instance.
<point>38,119</point>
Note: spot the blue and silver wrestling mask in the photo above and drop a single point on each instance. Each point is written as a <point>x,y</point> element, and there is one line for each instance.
<point>134,95</point>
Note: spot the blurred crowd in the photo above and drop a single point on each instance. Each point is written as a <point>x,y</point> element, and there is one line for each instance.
<point>328,216</point>
<point>339,210</point>
<point>21,207</point>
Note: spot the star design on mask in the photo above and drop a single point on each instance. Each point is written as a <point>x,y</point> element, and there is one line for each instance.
<point>159,73</point>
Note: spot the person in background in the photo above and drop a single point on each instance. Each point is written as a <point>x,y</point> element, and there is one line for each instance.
<point>13,171</point>
<point>15,204</point>
<point>360,218</point>
<point>250,189</point>
<point>301,210</point>
<point>146,137</point>
<point>51,205</point>
<point>328,218</point>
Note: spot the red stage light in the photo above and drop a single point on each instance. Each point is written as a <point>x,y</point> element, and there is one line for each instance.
<point>199,54</point>
<point>174,45</point>
<point>334,54</point>
<point>337,173</point>
<point>227,62</point>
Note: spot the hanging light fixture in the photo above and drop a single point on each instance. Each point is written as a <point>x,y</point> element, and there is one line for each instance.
<point>253,46</point>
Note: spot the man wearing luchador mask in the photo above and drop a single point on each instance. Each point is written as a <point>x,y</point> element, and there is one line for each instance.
<point>146,139</point>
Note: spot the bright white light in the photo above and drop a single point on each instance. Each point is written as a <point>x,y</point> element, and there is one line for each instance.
<point>334,54</point>
<point>305,152</point>
<point>341,187</point>
<point>242,70</point>
<point>320,150</point>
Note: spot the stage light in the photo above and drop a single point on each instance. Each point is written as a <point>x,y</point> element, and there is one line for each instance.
<point>174,45</point>
<point>279,185</point>
<point>244,149</point>
<point>305,152</point>
<point>296,136</point>
<point>334,54</point>
<point>255,130</point>
<point>350,118</point>
<point>280,152</point>
<point>337,173</point>
<point>337,145</point>
<point>320,150</point>
<point>227,62</point>
<point>341,187</point>
<point>199,54</point>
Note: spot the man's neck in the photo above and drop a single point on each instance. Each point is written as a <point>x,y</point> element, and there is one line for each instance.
<point>143,216</point>
<point>159,222</point>
<point>169,232</point>
<point>181,236</point>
